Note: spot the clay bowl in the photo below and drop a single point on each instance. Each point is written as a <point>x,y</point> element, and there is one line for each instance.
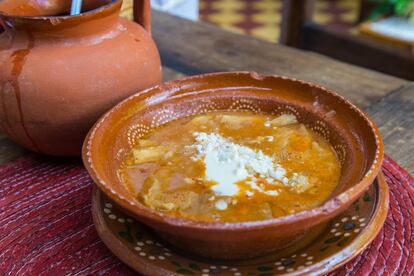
<point>353,135</point>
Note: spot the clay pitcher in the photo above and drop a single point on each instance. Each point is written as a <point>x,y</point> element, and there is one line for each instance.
<point>59,74</point>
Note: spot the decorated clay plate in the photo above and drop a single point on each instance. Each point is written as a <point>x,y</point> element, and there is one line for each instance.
<point>344,238</point>
<point>354,137</point>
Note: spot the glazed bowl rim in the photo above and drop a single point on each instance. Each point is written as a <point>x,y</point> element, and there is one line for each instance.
<point>63,17</point>
<point>329,208</point>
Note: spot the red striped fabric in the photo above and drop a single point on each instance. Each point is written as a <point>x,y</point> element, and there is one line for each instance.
<point>46,225</point>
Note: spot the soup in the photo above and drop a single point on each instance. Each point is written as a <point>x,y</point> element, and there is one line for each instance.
<point>231,167</point>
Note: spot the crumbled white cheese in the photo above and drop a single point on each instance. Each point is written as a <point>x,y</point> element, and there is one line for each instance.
<point>221,204</point>
<point>249,193</point>
<point>272,193</point>
<point>228,163</point>
<point>278,174</point>
<point>299,182</point>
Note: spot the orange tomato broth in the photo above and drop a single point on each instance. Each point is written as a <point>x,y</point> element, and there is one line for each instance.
<point>161,171</point>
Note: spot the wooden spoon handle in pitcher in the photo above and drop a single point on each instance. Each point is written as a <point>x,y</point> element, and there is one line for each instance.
<point>142,14</point>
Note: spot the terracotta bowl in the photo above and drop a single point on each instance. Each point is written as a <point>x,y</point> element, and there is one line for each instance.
<point>353,135</point>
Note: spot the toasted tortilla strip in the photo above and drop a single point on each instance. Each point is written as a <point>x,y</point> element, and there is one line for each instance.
<point>234,121</point>
<point>200,120</point>
<point>146,143</point>
<point>138,175</point>
<point>150,154</point>
<point>159,199</point>
<point>284,120</point>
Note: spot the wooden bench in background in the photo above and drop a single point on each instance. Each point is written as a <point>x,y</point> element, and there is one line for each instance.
<point>300,32</point>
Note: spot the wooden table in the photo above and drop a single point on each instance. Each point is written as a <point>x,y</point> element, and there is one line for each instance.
<point>189,48</point>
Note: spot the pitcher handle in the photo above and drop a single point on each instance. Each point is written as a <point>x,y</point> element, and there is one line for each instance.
<point>142,14</point>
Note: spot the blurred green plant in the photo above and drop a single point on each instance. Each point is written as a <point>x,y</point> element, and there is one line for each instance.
<point>402,8</point>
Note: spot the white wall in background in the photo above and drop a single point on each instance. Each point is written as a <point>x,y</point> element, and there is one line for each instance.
<point>184,8</point>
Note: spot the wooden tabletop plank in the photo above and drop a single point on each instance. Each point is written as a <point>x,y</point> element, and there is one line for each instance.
<point>171,74</point>
<point>194,47</point>
<point>394,114</point>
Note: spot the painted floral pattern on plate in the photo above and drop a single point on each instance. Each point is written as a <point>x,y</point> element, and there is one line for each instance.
<point>145,244</point>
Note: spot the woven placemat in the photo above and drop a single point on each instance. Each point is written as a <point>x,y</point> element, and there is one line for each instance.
<point>46,224</point>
